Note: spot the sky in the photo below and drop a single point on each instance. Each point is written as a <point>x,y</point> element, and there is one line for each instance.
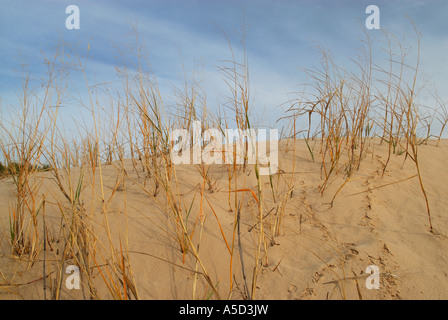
<point>281,41</point>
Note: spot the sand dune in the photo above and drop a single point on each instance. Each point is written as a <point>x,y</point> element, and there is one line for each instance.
<point>312,248</point>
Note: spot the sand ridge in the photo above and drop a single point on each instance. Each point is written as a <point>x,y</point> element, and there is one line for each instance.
<point>320,249</point>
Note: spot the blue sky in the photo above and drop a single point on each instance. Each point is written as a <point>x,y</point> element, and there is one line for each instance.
<point>281,39</point>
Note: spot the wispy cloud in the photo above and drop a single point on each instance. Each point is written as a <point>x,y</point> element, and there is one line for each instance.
<point>280,40</point>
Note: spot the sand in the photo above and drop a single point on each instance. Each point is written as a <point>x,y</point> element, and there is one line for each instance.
<point>319,251</point>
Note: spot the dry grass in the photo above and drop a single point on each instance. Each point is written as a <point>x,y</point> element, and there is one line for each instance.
<point>350,109</point>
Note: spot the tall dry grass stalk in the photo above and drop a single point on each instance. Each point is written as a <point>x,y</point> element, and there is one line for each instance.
<point>345,111</point>
<point>351,108</point>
